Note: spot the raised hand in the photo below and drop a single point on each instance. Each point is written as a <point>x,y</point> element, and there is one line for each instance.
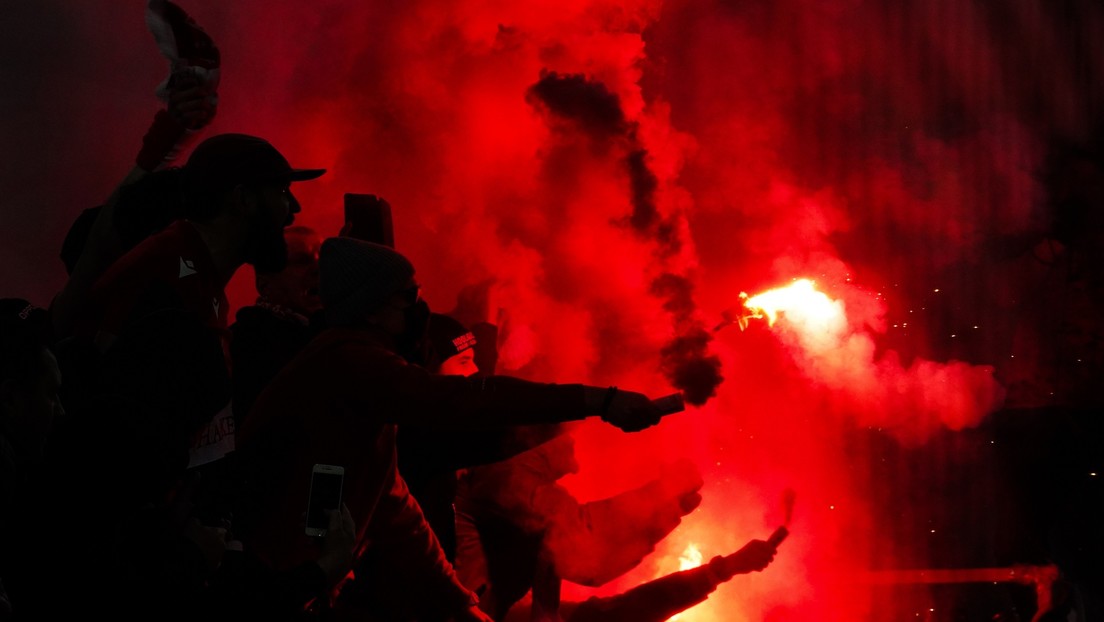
<point>630,411</point>
<point>192,101</point>
<point>753,557</point>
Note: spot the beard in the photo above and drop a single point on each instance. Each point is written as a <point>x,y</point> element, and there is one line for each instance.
<point>269,252</point>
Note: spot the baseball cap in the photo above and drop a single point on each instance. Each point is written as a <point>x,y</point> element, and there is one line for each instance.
<point>223,161</point>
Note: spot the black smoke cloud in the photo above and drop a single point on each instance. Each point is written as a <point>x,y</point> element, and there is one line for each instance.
<point>596,112</point>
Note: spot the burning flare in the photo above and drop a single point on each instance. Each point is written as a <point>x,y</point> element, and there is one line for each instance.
<point>841,354</point>
<point>811,312</point>
<point>800,299</point>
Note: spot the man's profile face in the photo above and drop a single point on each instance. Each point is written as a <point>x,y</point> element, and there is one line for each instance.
<point>275,209</point>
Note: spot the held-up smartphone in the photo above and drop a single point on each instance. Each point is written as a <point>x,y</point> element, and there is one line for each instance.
<point>325,494</point>
<point>368,218</point>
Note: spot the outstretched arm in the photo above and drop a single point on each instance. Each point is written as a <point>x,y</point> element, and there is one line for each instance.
<point>662,598</point>
<point>410,395</point>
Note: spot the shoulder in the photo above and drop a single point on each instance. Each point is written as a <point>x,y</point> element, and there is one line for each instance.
<point>159,257</point>
<point>350,348</point>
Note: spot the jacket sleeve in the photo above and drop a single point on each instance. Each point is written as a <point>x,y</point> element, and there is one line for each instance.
<point>432,449</point>
<point>401,393</point>
<point>408,570</point>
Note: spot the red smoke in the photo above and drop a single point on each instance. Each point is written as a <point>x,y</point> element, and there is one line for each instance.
<point>620,172</point>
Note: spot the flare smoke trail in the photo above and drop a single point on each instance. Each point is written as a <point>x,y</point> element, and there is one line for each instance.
<point>686,361</point>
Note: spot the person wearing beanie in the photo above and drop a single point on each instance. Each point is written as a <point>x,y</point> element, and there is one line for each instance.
<point>451,347</point>
<point>429,456</point>
<point>339,402</point>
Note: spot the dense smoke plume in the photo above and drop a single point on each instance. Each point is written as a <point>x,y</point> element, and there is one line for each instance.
<point>619,172</point>
<point>596,113</point>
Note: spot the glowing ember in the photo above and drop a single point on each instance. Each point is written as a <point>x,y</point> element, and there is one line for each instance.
<point>801,300</point>
<point>690,558</point>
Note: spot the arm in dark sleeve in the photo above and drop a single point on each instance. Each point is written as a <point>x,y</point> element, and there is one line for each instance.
<point>453,449</point>
<point>408,569</point>
<point>407,394</point>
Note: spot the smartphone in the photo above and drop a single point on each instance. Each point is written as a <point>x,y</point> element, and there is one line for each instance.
<point>368,218</point>
<point>325,494</point>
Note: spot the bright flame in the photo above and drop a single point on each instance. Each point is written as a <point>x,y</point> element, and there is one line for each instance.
<point>818,321</point>
<point>800,299</point>
<point>690,558</point>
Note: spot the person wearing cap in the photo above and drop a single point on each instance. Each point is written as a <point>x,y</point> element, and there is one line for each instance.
<point>340,401</point>
<point>237,202</point>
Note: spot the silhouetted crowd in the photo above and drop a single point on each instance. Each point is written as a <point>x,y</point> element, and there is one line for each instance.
<point>157,457</point>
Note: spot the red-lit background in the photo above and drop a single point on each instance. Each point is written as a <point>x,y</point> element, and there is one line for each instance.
<point>927,163</point>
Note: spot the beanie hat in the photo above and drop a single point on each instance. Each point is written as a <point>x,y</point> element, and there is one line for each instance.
<point>357,277</point>
<point>448,337</point>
